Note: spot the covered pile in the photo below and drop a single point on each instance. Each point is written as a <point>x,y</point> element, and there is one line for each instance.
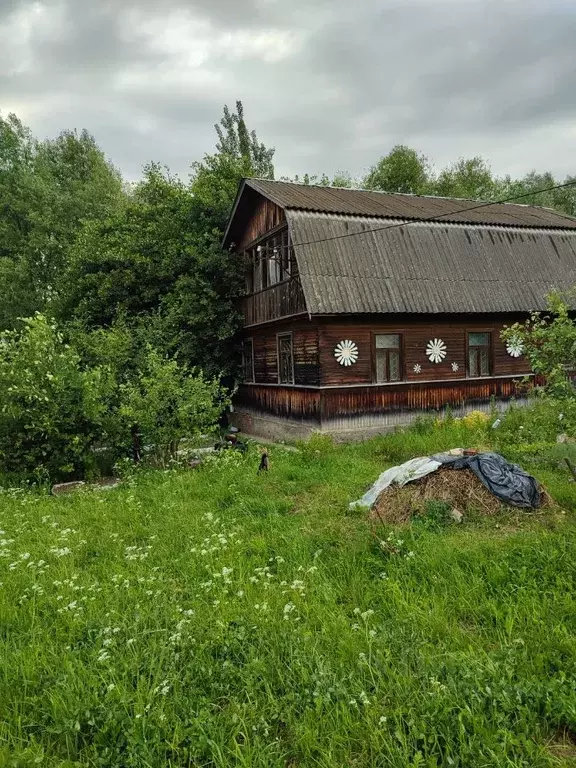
<point>461,479</point>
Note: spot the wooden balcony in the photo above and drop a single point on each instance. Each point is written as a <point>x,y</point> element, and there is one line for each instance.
<point>281,300</point>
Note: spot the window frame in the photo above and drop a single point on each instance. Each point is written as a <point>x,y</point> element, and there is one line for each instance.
<point>286,265</point>
<point>290,335</point>
<point>375,353</point>
<point>245,380</point>
<point>489,347</point>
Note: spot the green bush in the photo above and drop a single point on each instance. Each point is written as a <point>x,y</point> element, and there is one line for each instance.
<point>167,403</point>
<point>51,410</point>
<point>540,422</point>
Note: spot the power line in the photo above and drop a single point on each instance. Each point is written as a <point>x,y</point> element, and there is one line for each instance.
<point>435,217</point>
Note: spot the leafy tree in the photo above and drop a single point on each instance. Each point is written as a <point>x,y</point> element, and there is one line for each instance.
<point>340,179</point>
<point>402,170</point>
<point>154,267</point>
<point>18,201</point>
<point>239,154</point>
<point>47,191</point>
<point>563,200</point>
<point>51,410</point>
<point>77,185</point>
<point>466,178</point>
<point>549,342</point>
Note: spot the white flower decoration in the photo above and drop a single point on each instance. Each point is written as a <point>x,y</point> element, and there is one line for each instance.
<point>417,368</point>
<point>436,351</point>
<point>346,352</point>
<point>515,347</point>
<point>455,367</point>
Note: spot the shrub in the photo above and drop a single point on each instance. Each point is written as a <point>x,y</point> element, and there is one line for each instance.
<point>51,410</point>
<point>476,419</point>
<point>539,422</point>
<point>167,403</point>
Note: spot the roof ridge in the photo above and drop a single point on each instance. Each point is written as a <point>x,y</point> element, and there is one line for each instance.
<point>406,194</point>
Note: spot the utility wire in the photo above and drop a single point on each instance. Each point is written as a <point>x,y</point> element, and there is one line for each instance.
<point>435,217</point>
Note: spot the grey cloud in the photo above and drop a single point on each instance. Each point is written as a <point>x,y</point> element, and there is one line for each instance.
<point>331,84</point>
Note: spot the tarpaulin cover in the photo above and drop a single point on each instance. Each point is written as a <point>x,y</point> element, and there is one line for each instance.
<point>508,482</point>
<point>405,473</point>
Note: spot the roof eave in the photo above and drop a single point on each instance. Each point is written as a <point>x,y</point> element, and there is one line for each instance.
<point>241,187</point>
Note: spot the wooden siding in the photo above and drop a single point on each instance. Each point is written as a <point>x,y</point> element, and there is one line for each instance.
<point>265,216</point>
<point>354,401</point>
<point>286,402</point>
<point>416,333</point>
<point>281,300</point>
<point>324,406</point>
<point>304,351</point>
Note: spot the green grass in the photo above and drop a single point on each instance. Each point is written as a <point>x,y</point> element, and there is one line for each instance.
<point>219,618</point>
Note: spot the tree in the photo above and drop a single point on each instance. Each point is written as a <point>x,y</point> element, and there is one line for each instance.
<point>48,191</point>
<point>156,268</point>
<point>466,178</point>
<point>18,202</point>
<point>77,186</point>
<point>239,154</point>
<point>402,170</point>
<point>563,200</point>
<point>158,263</point>
<point>549,343</point>
<point>340,179</point>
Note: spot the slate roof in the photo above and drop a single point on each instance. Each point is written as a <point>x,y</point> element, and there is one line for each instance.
<point>361,202</point>
<point>354,258</point>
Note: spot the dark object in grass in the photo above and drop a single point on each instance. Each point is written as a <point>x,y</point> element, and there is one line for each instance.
<point>231,442</point>
<point>508,482</point>
<point>264,462</point>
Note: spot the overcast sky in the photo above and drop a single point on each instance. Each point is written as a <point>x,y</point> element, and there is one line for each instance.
<point>332,84</point>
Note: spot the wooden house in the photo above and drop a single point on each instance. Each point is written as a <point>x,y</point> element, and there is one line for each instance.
<point>363,309</point>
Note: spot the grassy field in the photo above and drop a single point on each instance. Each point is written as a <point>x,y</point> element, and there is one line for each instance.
<point>219,618</point>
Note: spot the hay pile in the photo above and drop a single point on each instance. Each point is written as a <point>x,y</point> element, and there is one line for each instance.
<point>460,488</point>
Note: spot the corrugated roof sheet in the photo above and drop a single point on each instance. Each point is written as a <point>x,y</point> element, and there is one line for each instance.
<point>358,202</point>
<point>427,267</point>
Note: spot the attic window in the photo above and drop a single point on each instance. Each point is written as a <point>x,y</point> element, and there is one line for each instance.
<point>270,262</point>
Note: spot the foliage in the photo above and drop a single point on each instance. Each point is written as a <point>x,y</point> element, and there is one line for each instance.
<point>151,268</point>
<point>340,179</point>
<point>49,191</point>
<point>466,178</point>
<point>239,154</point>
<point>402,170</point>
<point>51,410</point>
<point>542,421</point>
<point>158,260</point>
<point>548,341</point>
<point>166,403</point>
<point>185,619</point>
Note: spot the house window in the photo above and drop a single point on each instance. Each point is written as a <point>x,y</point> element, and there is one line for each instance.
<point>388,357</point>
<point>479,362</point>
<point>285,359</point>
<point>248,360</point>
<point>270,262</point>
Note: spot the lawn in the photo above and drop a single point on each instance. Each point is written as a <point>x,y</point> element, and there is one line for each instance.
<point>215,617</point>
